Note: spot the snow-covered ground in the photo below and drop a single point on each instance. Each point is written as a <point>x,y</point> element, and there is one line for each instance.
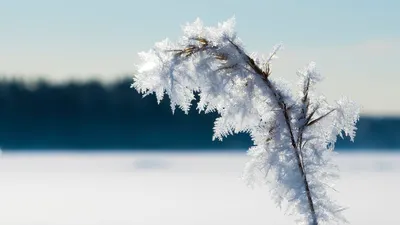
<point>174,189</point>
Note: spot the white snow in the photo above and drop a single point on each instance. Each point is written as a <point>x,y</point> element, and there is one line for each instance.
<point>174,188</point>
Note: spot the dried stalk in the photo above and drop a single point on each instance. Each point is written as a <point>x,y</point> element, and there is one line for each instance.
<point>298,144</point>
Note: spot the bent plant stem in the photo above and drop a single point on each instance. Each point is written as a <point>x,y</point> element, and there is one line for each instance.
<point>204,45</point>
<point>297,151</point>
<point>285,111</point>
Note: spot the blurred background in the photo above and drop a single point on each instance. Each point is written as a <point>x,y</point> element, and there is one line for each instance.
<point>66,68</point>
<point>81,147</point>
<point>94,116</point>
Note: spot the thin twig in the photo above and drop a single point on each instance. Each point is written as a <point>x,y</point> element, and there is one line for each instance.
<point>319,118</point>
<point>285,112</point>
<point>205,45</point>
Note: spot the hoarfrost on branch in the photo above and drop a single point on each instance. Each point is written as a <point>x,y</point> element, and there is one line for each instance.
<point>293,135</point>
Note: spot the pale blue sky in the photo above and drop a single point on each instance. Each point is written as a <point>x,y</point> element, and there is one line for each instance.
<point>353,42</point>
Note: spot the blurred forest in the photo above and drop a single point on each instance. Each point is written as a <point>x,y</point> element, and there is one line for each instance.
<point>94,116</point>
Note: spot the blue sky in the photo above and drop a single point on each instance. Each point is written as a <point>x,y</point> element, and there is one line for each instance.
<point>355,43</point>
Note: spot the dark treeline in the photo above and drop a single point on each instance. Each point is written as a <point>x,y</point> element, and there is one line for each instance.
<point>95,116</point>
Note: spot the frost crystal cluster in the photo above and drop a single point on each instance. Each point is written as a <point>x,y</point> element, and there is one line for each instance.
<point>293,135</point>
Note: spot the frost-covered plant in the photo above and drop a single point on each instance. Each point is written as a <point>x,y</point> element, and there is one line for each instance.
<point>293,135</point>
